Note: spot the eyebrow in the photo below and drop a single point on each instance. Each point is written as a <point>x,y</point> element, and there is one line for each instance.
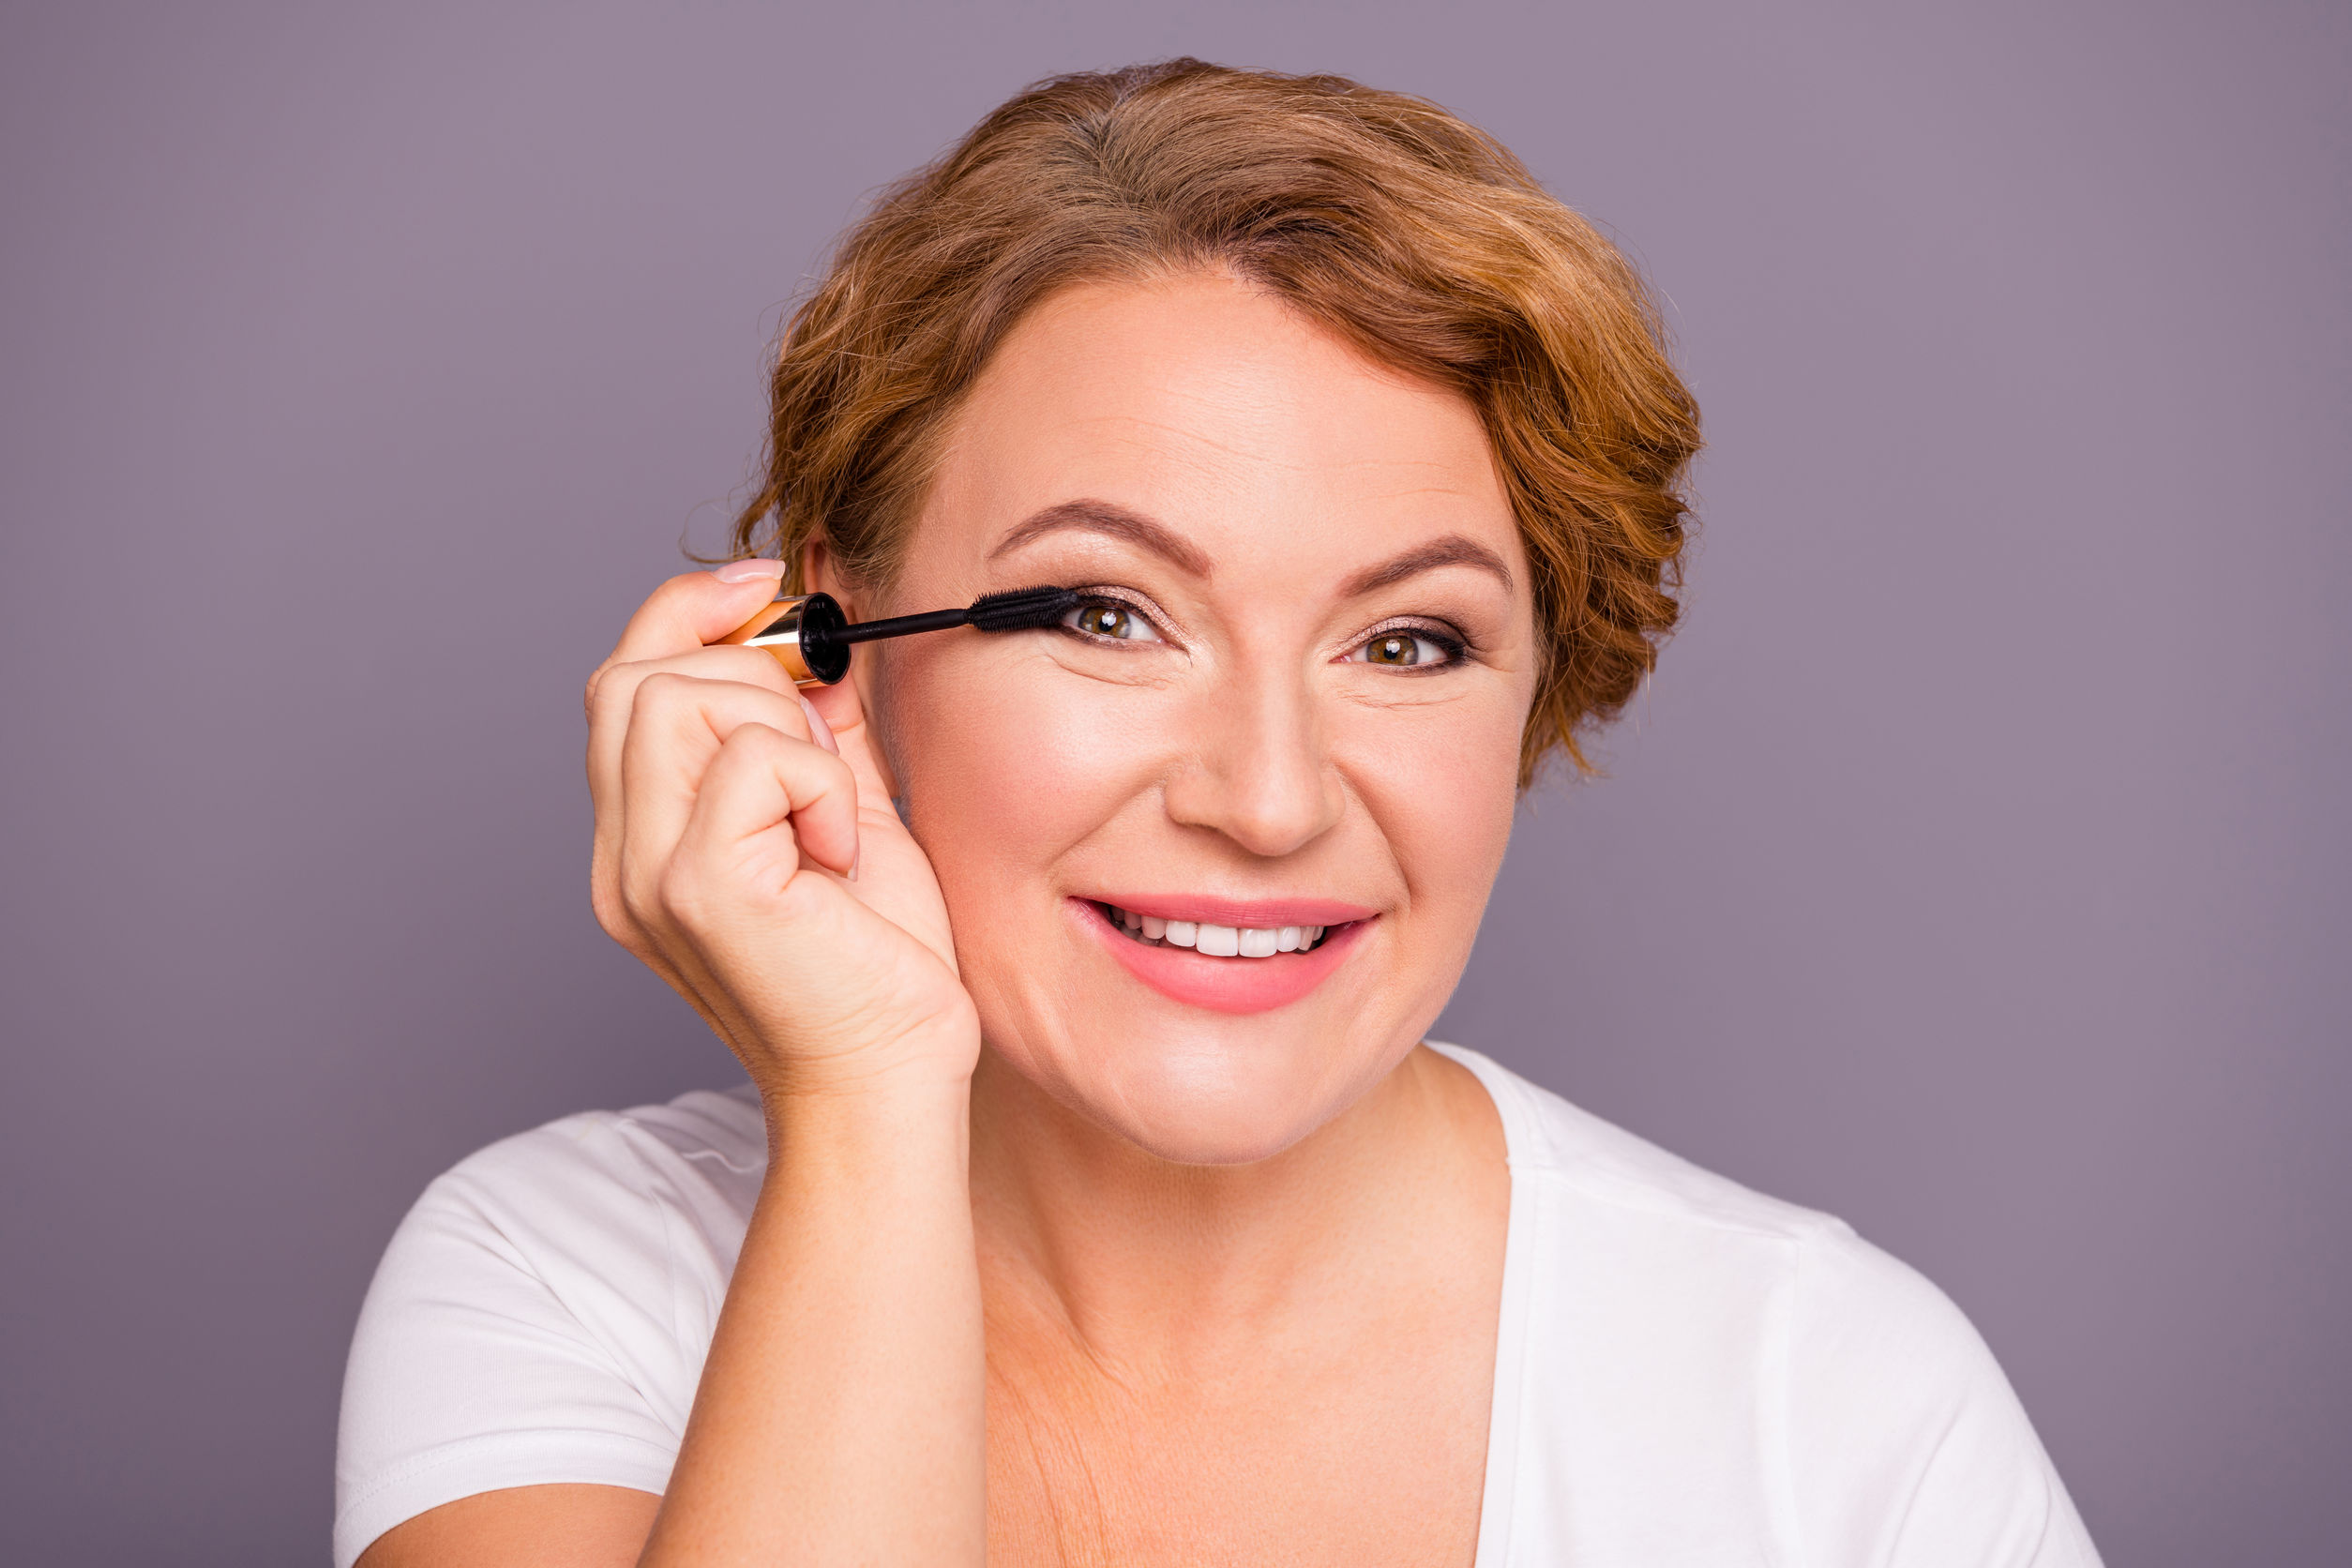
<point>1118,522</point>
<point>1452,551</point>
<point>1103,517</point>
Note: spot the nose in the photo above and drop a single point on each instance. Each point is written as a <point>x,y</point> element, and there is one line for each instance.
<point>1258,772</point>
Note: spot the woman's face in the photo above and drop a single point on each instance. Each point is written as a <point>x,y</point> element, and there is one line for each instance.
<point>1295,702</point>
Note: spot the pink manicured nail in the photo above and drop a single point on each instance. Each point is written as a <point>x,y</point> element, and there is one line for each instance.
<point>751,570</point>
<point>819,730</point>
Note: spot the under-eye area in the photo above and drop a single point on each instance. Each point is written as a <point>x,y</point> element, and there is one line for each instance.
<point>1216,941</point>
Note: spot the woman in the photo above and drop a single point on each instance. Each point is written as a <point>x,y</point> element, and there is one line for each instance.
<point>1095,1197</point>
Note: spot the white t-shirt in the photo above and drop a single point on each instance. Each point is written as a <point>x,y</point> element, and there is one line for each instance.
<point>1687,1372</point>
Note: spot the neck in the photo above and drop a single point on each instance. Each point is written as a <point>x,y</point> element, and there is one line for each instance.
<point>1139,1260</point>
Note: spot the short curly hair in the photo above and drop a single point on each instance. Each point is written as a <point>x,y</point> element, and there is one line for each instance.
<point>1410,234</point>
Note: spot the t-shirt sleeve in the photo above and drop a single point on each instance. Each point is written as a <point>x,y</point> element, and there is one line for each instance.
<point>1910,1449</point>
<point>519,1331</point>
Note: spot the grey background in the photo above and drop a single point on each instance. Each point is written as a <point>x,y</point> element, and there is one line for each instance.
<point>1975,867</point>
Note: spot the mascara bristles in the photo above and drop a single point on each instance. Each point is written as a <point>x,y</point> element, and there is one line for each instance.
<point>1021,608</point>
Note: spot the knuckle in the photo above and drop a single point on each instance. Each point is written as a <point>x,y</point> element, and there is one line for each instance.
<point>618,910</point>
<point>606,676</point>
<point>611,910</point>
<point>611,690</point>
<point>683,891</point>
<point>839,776</point>
<point>659,695</point>
<point>641,907</point>
<point>759,737</point>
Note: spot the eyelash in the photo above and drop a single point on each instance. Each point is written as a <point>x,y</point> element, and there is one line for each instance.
<point>1451,643</point>
<point>1455,646</point>
<point>1099,599</point>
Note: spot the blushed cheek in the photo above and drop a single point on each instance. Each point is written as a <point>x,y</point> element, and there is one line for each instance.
<point>1465,816</point>
<point>1007,773</point>
<point>1444,801</point>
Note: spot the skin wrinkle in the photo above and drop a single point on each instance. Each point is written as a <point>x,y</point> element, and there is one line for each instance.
<point>1155,432</point>
<point>1239,454</point>
<point>1150,433</point>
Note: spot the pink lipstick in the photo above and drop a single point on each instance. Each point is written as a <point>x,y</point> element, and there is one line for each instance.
<point>1230,956</point>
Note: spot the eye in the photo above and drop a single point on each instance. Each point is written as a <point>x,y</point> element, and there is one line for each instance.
<point>1406,649</point>
<point>1107,619</point>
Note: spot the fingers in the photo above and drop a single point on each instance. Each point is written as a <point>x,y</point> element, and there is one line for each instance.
<point>612,699</point>
<point>842,711</point>
<point>767,805</point>
<point>692,609</point>
<point>677,728</point>
<point>676,622</point>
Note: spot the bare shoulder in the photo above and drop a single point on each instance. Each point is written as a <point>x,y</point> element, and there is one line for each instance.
<point>523,1527</point>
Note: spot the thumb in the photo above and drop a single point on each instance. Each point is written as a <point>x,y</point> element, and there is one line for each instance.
<point>696,608</point>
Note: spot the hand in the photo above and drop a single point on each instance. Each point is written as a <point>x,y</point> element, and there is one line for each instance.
<point>746,850</point>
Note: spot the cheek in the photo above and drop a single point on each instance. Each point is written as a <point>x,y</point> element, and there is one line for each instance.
<point>1007,765</point>
<point>1441,790</point>
<point>1443,785</point>
<point>1018,769</point>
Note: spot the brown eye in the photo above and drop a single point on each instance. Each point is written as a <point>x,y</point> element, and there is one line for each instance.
<point>1407,650</point>
<point>1113,620</point>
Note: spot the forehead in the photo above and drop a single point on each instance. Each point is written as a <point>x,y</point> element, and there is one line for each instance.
<point>1213,407</point>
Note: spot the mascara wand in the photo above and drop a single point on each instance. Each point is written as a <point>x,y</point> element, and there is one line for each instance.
<point>811,638</point>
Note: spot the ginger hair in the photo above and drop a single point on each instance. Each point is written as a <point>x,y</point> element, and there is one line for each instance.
<point>1414,236</point>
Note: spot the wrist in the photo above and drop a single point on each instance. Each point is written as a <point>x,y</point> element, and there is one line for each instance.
<point>867,1111</point>
<point>907,1064</point>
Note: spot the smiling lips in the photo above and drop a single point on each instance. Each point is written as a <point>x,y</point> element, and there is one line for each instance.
<point>1217,941</point>
<point>1223,955</point>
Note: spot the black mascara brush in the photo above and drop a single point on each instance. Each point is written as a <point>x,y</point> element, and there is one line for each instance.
<point>811,638</point>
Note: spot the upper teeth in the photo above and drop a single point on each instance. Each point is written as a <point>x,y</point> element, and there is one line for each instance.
<point>1220,941</point>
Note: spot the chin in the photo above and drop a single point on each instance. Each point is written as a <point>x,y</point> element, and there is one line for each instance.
<point>1207,1101</point>
<point>1201,1132</point>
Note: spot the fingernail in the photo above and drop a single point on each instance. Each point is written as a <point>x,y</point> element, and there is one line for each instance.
<point>819,730</point>
<point>856,856</point>
<point>751,570</point>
